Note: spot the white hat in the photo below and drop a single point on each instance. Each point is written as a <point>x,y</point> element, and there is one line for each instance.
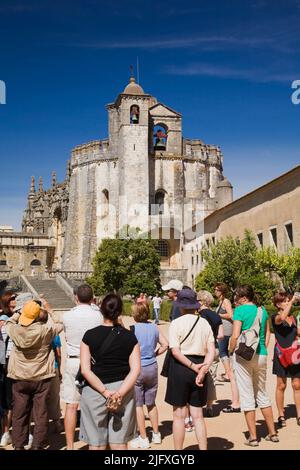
<point>173,284</point>
<point>22,299</point>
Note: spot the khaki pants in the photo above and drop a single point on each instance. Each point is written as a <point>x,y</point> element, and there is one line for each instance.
<point>251,382</point>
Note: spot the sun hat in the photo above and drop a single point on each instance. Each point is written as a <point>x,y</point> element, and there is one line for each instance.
<point>22,299</point>
<point>187,298</point>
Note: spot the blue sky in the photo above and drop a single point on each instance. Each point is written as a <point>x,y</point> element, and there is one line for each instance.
<point>227,66</point>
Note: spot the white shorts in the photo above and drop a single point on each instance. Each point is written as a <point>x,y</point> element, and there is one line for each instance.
<point>69,392</point>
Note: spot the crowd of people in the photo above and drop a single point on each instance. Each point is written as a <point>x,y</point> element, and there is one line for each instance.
<point>110,372</point>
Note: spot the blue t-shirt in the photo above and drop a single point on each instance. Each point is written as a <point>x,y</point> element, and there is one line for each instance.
<point>147,335</point>
<point>56,343</point>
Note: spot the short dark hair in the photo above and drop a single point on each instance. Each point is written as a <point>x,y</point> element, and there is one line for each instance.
<point>84,293</point>
<point>280,297</point>
<point>112,307</point>
<point>245,291</point>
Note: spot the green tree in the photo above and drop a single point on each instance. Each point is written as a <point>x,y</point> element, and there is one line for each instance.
<point>285,267</point>
<point>235,262</point>
<point>128,264</point>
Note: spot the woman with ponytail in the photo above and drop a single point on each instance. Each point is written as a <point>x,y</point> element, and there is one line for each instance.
<point>110,362</point>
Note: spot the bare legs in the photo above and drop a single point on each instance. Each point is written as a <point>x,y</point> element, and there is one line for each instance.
<point>279,395</point>
<point>234,389</point>
<point>269,419</point>
<point>251,422</point>
<point>153,416</point>
<point>70,423</point>
<point>179,414</point>
<point>296,388</point>
<point>200,427</point>
<point>280,389</point>
<point>141,421</point>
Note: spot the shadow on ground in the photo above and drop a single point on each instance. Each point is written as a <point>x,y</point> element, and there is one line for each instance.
<point>165,428</point>
<point>219,405</point>
<point>214,443</point>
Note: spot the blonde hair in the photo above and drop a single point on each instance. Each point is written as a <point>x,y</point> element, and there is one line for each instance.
<point>140,312</point>
<point>205,297</point>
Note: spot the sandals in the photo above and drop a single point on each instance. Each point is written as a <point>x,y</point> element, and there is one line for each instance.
<point>251,443</point>
<point>230,409</point>
<point>272,438</point>
<point>282,422</point>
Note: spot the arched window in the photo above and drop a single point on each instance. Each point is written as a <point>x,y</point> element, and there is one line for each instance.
<point>35,262</point>
<point>57,213</point>
<point>134,114</point>
<point>163,248</point>
<point>159,201</point>
<point>160,136</point>
<point>105,202</point>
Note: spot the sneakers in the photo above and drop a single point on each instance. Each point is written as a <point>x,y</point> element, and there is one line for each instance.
<point>30,441</point>
<point>140,443</point>
<point>156,438</point>
<point>5,439</point>
<point>189,427</point>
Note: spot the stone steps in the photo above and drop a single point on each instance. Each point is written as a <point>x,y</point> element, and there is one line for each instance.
<point>55,295</point>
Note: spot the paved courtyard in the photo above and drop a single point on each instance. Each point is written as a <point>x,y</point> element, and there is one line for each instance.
<point>225,431</point>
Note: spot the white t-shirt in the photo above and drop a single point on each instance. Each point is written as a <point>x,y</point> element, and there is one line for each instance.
<point>76,322</point>
<point>156,302</point>
<point>197,342</point>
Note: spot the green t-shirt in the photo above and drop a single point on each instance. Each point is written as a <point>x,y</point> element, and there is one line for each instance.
<point>246,314</point>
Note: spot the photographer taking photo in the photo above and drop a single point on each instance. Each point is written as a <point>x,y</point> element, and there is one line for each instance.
<point>286,362</point>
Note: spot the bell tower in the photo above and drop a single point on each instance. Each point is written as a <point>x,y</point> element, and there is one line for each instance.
<point>132,108</point>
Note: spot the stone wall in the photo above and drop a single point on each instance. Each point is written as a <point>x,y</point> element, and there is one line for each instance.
<point>22,253</point>
<point>273,205</point>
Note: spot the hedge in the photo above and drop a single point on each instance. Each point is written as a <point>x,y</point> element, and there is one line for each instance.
<point>166,305</point>
<point>165,309</point>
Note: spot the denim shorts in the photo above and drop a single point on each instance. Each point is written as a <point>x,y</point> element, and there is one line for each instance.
<point>223,347</point>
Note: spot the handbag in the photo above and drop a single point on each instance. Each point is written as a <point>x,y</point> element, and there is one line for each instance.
<point>288,356</point>
<point>80,381</point>
<point>169,356</point>
<point>249,339</point>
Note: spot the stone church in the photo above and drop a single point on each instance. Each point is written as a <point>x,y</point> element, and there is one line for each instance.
<point>145,175</point>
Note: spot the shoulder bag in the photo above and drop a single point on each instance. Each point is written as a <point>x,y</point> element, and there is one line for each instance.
<point>288,356</point>
<point>169,355</point>
<point>80,381</point>
<point>249,339</point>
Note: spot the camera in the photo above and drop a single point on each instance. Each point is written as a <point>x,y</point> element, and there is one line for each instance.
<point>297,295</point>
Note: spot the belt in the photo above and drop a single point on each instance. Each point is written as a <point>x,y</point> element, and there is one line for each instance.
<point>73,357</point>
